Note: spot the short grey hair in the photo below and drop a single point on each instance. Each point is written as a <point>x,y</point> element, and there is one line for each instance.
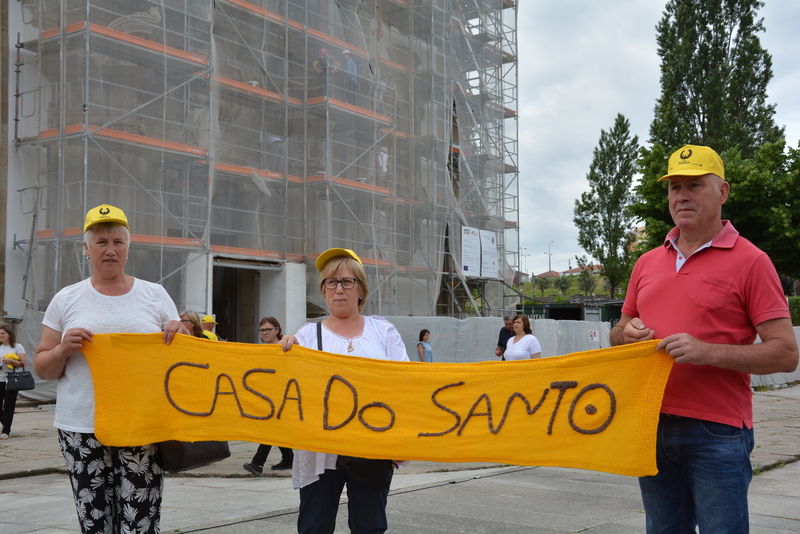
<point>111,227</point>
<point>509,317</point>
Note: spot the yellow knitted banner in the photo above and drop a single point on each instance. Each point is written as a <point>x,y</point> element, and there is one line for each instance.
<point>592,410</point>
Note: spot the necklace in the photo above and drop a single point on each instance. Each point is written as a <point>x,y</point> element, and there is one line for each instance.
<point>350,345</point>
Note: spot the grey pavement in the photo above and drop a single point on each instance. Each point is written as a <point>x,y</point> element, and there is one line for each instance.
<point>426,497</point>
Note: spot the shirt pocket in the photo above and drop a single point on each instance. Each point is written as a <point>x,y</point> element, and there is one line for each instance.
<point>710,293</point>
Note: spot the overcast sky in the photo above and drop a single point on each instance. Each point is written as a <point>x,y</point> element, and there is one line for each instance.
<point>580,63</point>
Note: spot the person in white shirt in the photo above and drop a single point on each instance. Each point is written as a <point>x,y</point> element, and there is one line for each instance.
<point>343,283</point>
<point>523,345</point>
<point>13,356</point>
<point>116,489</point>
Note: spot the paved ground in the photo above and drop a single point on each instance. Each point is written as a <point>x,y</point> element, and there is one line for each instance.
<point>426,498</point>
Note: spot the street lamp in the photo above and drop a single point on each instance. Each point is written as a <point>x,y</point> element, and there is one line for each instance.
<point>549,257</point>
<point>525,259</point>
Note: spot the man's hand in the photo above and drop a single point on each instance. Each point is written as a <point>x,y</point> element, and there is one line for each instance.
<point>684,348</point>
<point>630,330</point>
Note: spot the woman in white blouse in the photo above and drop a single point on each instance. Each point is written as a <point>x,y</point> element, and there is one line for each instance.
<point>523,345</point>
<point>343,284</point>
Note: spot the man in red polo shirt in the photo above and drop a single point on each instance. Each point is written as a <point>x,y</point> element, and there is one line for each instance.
<point>707,292</point>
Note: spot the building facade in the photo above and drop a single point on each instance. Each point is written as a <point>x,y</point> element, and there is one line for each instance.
<point>241,143</point>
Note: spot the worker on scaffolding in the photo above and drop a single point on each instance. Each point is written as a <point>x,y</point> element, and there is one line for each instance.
<point>326,67</point>
<point>350,77</point>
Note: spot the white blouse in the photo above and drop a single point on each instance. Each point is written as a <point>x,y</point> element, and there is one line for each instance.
<point>379,340</point>
<point>522,349</point>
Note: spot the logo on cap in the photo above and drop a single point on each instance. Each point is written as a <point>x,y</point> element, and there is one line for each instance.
<point>104,211</point>
<point>684,155</point>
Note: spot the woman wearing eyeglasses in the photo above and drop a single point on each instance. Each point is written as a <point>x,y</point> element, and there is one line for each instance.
<point>343,284</point>
<point>191,321</point>
<point>269,329</point>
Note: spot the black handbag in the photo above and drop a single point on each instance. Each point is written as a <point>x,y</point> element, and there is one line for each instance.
<point>176,456</point>
<point>374,473</point>
<point>19,380</point>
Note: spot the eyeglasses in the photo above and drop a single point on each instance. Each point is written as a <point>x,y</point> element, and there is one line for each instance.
<point>265,330</point>
<point>347,283</point>
<point>186,320</point>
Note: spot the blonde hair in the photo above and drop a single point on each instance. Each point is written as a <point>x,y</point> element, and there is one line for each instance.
<point>197,329</point>
<point>337,265</point>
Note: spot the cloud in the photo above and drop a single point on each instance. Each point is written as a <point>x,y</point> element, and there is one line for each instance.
<point>581,63</point>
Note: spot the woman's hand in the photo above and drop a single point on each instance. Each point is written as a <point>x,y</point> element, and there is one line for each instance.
<point>54,349</point>
<point>287,342</point>
<point>15,360</point>
<point>172,328</point>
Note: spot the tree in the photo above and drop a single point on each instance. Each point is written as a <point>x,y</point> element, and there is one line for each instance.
<point>763,202</point>
<point>541,284</point>
<point>586,280</point>
<point>605,225</point>
<point>714,76</point>
<point>563,283</point>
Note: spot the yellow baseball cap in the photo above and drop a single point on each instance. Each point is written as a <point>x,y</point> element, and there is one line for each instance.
<point>326,256</point>
<point>105,214</point>
<point>694,160</point>
<point>209,319</point>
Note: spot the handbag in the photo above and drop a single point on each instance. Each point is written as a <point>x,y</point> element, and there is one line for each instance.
<point>20,380</point>
<point>176,456</point>
<point>374,473</point>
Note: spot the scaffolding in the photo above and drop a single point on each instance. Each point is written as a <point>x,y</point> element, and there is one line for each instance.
<point>238,132</point>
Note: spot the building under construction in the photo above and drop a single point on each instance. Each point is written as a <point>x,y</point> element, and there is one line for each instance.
<point>242,138</point>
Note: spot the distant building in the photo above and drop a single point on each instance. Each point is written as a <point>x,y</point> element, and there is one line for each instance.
<point>549,274</point>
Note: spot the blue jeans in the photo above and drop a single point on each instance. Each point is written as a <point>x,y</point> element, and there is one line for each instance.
<point>319,503</point>
<point>703,474</point>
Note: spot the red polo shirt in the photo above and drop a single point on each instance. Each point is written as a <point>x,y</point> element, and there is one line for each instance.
<point>719,295</point>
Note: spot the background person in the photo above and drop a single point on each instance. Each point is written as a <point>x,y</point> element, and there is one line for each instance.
<point>325,67</point>
<point>506,333</point>
<point>116,489</point>
<point>523,345</point>
<point>343,284</point>
<point>8,399</point>
<point>191,321</point>
<point>208,323</point>
<point>269,329</point>
<point>424,348</point>
<point>707,293</point>
<point>350,70</point>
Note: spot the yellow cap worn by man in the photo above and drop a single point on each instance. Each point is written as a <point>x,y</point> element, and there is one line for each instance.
<point>694,160</point>
<point>208,323</point>
<point>105,214</point>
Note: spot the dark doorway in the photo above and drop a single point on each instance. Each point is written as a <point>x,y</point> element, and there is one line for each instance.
<point>235,302</point>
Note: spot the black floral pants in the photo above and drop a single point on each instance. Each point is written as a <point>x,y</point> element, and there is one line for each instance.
<point>116,489</point>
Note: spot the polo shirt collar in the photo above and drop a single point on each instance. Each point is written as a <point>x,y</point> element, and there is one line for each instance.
<point>726,238</point>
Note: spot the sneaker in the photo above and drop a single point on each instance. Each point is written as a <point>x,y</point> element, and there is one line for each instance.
<point>283,464</point>
<point>5,436</point>
<point>253,469</point>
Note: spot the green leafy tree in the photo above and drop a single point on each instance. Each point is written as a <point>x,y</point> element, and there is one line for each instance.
<point>586,280</point>
<point>714,76</point>
<point>563,283</point>
<point>541,284</point>
<point>763,202</point>
<point>605,225</point>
